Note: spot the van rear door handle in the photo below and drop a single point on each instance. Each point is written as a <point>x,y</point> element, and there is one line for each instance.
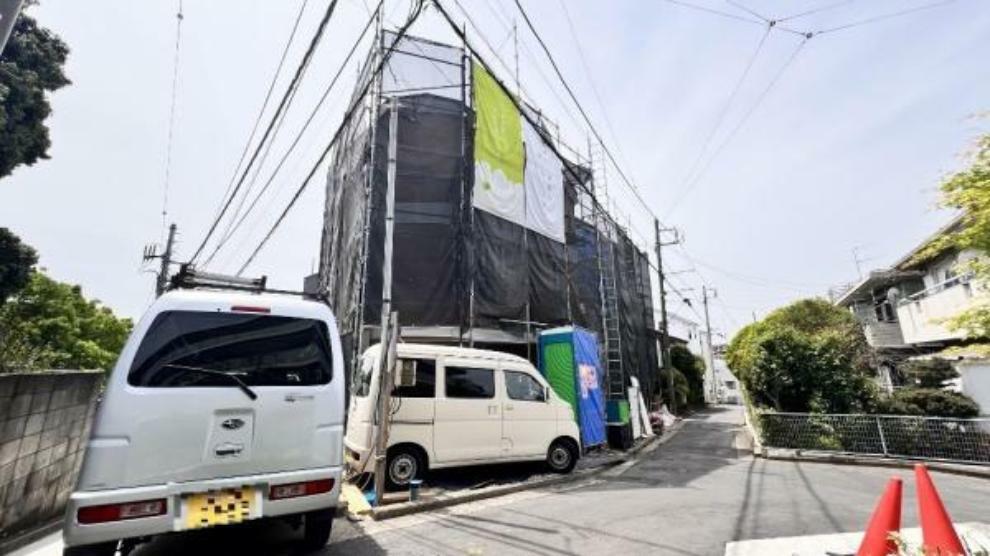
<point>508,407</point>
<point>298,397</point>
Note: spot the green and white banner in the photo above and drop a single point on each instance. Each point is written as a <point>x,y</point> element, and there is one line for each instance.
<point>498,150</point>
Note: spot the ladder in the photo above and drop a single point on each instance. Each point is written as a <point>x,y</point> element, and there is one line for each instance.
<point>615,379</point>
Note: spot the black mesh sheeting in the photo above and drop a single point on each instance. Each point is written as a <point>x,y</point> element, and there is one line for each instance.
<point>630,314</point>
<point>547,267</point>
<point>584,277</point>
<point>426,289</point>
<point>499,266</point>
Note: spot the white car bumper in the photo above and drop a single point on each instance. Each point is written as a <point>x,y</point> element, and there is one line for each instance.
<point>173,519</point>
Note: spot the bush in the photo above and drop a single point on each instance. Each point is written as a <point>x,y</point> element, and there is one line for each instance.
<point>928,401</point>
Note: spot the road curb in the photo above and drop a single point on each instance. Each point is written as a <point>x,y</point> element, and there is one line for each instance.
<point>25,538</point>
<point>980,472</point>
<point>446,501</point>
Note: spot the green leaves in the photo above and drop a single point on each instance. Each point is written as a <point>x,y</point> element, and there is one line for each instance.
<point>16,260</point>
<point>50,325</point>
<point>30,67</point>
<point>807,356</point>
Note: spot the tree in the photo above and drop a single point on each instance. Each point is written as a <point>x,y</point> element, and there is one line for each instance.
<point>969,191</point>
<point>16,260</point>
<point>31,66</point>
<point>691,369</point>
<point>50,325</point>
<point>807,356</point>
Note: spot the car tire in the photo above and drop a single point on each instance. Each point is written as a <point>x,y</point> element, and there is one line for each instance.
<point>316,528</point>
<point>404,463</point>
<point>101,549</point>
<point>562,456</point>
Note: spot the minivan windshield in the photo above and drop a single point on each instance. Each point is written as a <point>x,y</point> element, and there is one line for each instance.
<point>259,350</point>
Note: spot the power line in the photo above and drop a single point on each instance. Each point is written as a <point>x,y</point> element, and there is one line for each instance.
<point>884,16</point>
<point>584,114</point>
<point>713,11</point>
<point>728,102</point>
<point>299,135</point>
<point>591,82</point>
<point>268,95</point>
<point>418,8</point>
<point>815,10</point>
<point>300,70</point>
<point>171,115</point>
<point>728,139</point>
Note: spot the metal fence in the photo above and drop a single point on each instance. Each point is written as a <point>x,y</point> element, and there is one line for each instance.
<point>926,438</point>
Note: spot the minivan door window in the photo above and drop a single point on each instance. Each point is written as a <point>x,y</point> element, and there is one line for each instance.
<point>258,350</point>
<point>522,387</point>
<point>426,379</point>
<point>471,383</point>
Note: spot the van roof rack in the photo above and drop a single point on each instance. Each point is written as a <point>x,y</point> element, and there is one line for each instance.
<point>189,277</point>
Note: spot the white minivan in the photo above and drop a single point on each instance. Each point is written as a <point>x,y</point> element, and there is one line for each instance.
<point>459,407</point>
<point>223,407</point>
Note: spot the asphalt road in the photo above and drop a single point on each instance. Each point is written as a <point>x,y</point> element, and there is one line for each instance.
<point>688,497</point>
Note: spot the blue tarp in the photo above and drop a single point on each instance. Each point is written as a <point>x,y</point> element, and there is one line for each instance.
<point>591,401</point>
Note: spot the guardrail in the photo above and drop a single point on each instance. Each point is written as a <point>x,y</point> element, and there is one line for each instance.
<point>901,436</point>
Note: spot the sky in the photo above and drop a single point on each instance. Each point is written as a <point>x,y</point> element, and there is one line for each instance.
<point>828,145</point>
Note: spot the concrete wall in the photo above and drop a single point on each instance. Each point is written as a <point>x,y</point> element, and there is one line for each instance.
<point>44,426</point>
<point>974,381</point>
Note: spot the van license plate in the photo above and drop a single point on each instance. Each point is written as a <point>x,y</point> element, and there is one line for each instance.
<point>218,507</point>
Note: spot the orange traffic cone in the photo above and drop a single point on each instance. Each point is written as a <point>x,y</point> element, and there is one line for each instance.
<point>886,519</point>
<point>937,533</point>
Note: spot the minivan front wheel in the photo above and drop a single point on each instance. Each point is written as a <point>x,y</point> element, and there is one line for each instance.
<point>402,466</point>
<point>562,456</point>
<point>316,528</point>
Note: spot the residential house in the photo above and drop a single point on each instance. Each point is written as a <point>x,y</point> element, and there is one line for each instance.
<point>904,311</point>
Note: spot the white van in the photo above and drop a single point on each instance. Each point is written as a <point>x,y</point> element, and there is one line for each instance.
<point>463,407</point>
<point>223,407</point>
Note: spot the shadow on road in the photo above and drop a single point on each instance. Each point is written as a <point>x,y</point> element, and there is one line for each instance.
<point>704,445</point>
<point>269,537</point>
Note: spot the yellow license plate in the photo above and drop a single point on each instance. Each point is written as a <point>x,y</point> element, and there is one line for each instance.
<point>218,507</point>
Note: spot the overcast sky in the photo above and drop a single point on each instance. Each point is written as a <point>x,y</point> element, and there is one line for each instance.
<point>845,150</point>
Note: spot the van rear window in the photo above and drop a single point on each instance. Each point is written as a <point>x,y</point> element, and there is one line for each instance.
<point>188,348</point>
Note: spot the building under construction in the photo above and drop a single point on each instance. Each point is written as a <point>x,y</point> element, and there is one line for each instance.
<point>498,229</point>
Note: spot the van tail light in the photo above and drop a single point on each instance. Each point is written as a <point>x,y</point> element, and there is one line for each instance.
<point>295,490</point>
<point>89,515</point>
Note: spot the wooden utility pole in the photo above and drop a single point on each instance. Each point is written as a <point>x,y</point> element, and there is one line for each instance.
<point>151,252</point>
<point>705,291</point>
<point>390,320</point>
<point>665,363</point>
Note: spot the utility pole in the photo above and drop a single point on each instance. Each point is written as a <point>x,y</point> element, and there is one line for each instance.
<point>705,291</point>
<point>390,320</point>
<point>151,252</point>
<point>665,364</point>
<point>8,16</point>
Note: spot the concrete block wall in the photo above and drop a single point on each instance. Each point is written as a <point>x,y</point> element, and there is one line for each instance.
<point>45,420</point>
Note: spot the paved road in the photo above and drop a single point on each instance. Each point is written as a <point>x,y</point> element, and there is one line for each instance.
<point>688,497</point>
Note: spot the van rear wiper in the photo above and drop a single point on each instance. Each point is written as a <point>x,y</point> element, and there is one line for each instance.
<point>230,376</point>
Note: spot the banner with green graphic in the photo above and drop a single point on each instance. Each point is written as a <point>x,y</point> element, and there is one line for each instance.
<point>498,150</point>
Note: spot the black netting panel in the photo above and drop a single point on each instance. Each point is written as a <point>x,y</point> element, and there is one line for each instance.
<point>501,279</point>
<point>586,305</point>
<point>547,279</point>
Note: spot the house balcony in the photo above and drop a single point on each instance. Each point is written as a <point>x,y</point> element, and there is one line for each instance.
<point>923,315</point>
